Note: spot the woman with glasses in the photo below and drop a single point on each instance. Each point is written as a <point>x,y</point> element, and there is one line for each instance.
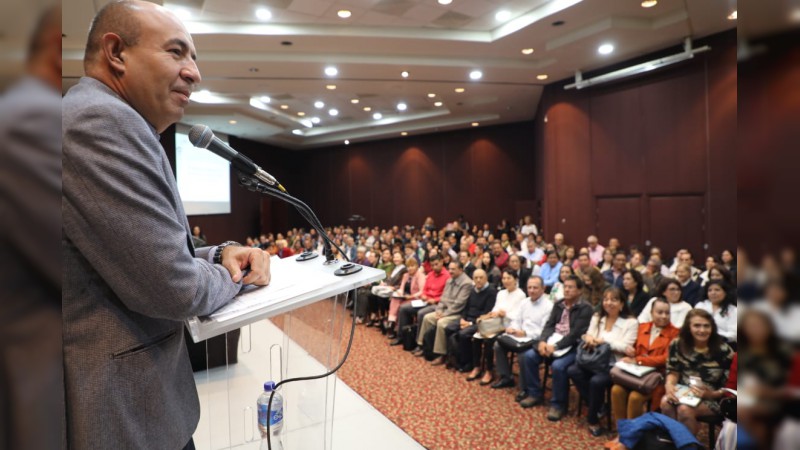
<point>669,288</point>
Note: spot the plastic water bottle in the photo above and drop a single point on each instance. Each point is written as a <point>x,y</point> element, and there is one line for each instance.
<point>274,416</point>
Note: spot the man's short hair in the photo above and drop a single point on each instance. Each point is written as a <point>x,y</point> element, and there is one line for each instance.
<point>115,17</point>
<point>433,258</point>
<point>458,264</point>
<point>576,279</point>
<point>536,277</point>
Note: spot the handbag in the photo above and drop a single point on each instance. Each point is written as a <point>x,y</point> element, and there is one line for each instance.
<point>596,360</point>
<point>510,343</point>
<point>645,384</point>
<point>489,327</point>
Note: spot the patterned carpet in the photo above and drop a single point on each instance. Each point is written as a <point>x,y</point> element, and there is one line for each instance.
<point>435,406</point>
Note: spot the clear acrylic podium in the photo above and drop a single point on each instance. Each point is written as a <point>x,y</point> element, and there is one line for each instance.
<point>300,329</point>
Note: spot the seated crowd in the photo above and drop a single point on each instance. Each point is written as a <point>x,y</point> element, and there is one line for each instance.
<point>473,299</point>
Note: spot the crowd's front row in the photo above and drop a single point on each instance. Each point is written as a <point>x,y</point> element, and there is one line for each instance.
<point>470,326</point>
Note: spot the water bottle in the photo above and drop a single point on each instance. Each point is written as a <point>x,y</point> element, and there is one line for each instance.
<point>275,416</point>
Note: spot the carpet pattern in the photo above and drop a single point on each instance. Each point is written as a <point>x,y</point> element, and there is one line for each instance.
<point>435,406</point>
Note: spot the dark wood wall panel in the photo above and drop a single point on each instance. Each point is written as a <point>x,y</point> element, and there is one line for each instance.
<point>678,222</point>
<point>617,154</point>
<point>619,218</point>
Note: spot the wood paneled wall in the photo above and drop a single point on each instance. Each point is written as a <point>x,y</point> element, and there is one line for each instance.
<point>649,160</point>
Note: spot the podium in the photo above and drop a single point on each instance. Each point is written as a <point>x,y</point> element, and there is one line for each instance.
<point>295,327</point>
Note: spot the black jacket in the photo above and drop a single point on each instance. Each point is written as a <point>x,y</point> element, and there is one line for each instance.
<point>579,317</point>
<point>692,292</point>
<point>479,303</point>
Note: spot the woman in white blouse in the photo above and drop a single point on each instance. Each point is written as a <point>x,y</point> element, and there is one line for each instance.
<point>557,292</point>
<point>670,289</point>
<point>614,326</point>
<point>722,308</point>
<point>507,306</point>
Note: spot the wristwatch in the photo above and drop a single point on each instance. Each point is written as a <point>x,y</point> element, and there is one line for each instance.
<point>220,248</point>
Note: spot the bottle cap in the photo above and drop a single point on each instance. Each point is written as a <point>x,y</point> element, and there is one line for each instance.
<point>269,386</point>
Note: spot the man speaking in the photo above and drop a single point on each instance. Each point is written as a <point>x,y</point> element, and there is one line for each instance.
<point>131,274</point>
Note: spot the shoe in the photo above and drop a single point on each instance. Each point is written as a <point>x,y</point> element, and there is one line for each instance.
<point>530,402</point>
<point>503,383</point>
<point>464,369</point>
<point>438,361</point>
<point>417,352</point>
<point>485,380</point>
<point>391,335</point>
<point>596,431</point>
<point>474,375</point>
<point>520,396</point>
<point>395,342</point>
<point>555,414</point>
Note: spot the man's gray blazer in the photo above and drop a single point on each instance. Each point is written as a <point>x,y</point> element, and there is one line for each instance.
<point>129,280</point>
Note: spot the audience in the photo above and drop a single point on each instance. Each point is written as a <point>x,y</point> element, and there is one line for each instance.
<point>652,274</point>
<point>523,273</point>
<point>633,290</point>
<point>614,275</point>
<point>551,270</point>
<point>721,305</point>
<point>595,250</point>
<point>434,286</point>
<point>594,286</point>
<point>671,290</point>
<point>481,300</point>
<point>557,291</point>
<point>691,289</point>
<point>700,360</point>
<point>411,288</point>
<point>379,298</point>
<point>614,326</point>
<point>500,255</point>
<point>486,262</point>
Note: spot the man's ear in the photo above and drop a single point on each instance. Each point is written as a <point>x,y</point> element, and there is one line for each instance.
<point>112,49</point>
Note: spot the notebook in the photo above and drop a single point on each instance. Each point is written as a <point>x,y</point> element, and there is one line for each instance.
<point>685,395</point>
<point>634,369</point>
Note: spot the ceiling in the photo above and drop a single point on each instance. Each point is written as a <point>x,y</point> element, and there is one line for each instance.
<point>244,59</point>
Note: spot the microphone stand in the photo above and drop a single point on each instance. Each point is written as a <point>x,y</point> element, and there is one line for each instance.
<point>253,184</point>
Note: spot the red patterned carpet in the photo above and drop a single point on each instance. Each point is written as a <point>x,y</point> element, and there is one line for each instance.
<point>435,406</point>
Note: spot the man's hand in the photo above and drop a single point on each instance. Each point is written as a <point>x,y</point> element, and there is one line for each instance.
<point>236,258</point>
<point>542,348</point>
<point>630,352</point>
<point>463,324</point>
<point>438,315</point>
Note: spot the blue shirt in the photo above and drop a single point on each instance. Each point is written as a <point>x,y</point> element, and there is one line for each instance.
<point>550,274</point>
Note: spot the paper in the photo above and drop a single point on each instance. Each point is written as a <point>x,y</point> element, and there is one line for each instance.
<point>418,303</point>
<point>553,340</point>
<point>285,283</point>
<point>634,369</point>
<point>685,395</point>
<point>523,339</point>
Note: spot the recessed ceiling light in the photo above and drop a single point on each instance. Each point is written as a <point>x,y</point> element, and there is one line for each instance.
<point>301,114</point>
<point>733,16</point>
<point>502,15</point>
<point>330,87</point>
<point>542,76</point>
<point>319,105</point>
<point>315,120</point>
<point>367,109</point>
<point>475,124</point>
<point>344,13</point>
<point>331,71</point>
<point>605,49</point>
<point>460,90</point>
<point>437,104</point>
<point>475,75</point>
<point>284,106</point>
<point>445,2</point>
<point>297,132</point>
<point>232,122</point>
<point>404,133</point>
<point>404,74</point>
<point>333,111</point>
<point>265,99</point>
<point>263,14</point>
<point>401,106</point>
<point>527,51</point>
<point>649,3</point>
<point>354,101</point>
<point>347,142</point>
<point>377,116</point>
<point>431,95</point>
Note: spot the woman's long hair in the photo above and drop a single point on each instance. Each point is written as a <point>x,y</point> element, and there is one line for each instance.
<point>729,299</point>
<point>686,342</point>
<point>625,312</point>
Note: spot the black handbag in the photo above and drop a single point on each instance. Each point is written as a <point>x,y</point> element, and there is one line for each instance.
<point>512,344</point>
<point>596,360</point>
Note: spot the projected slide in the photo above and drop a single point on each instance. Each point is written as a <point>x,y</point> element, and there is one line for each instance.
<point>203,178</point>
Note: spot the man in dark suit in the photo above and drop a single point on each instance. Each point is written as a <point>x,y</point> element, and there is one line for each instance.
<point>131,275</point>
<point>469,266</point>
<point>523,273</point>
<point>613,276</point>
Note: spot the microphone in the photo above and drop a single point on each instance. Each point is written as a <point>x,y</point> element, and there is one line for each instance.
<point>201,136</point>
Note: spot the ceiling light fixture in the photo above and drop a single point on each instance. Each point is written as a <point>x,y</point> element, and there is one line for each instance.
<point>542,76</point>
<point>265,99</point>
<point>527,51</point>
<point>232,122</point>
<point>475,75</point>
<point>437,104</point>
<point>263,14</point>
<point>605,49</point>
<point>475,124</point>
<point>284,106</point>
<point>315,120</point>
<point>649,3</point>
<point>404,74</point>
<point>431,95</point>
<point>301,114</point>
<point>330,87</point>
<point>445,2</point>
<point>331,71</point>
<point>354,101</point>
<point>344,13</point>
<point>733,16</point>
<point>333,112</point>
<point>319,105</point>
<point>377,116</point>
<point>502,15</point>
<point>460,90</point>
<point>404,133</point>
<point>402,106</point>
<point>347,142</point>
<point>297,132</point>
<point>367,109</point>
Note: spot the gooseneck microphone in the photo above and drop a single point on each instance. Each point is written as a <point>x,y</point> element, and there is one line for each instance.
<point>201,136</point>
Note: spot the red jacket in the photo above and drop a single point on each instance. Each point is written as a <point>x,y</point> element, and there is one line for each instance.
<point>434,284</point>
